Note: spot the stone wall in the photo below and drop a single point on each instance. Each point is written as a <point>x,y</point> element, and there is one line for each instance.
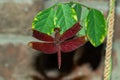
<point>15,33</point>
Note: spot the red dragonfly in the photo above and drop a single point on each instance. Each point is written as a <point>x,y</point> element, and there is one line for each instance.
<point>66,42</point>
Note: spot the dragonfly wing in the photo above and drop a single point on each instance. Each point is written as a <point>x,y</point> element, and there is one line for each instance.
<point>72,44</point>
<point>42,36</point>
<point>48,48</point>
<point>70,32</point>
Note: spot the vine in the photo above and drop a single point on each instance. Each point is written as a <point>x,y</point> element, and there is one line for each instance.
<point>108,56</point>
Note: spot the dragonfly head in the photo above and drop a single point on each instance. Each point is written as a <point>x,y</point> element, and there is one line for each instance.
<point>57,29</point>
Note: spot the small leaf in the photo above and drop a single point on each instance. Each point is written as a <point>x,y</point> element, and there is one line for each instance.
<point>82,32</point>
<point>84,14</point>
<point>44,21</point>
<point>77,7</point>
<point>65,17</point>
<point>96,27</point>
<point>78,10</point>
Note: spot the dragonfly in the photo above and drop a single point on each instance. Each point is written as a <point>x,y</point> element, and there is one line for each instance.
<point>58,43</point>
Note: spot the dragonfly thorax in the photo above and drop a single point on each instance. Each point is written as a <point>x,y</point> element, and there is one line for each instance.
<point>57,36</point>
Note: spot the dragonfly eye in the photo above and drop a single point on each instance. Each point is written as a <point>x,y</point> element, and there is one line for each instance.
<point>57,29</point>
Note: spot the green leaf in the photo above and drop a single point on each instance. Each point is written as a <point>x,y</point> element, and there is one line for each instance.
<point>83,21</point>
<point>77,7</point>
<point>82,32</point>
<point>96,27</point>
<point>78,10</point>
<point>65,17</point>
<point>44,21</point>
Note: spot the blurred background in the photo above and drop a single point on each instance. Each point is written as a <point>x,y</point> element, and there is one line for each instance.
<point>15,32</point>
